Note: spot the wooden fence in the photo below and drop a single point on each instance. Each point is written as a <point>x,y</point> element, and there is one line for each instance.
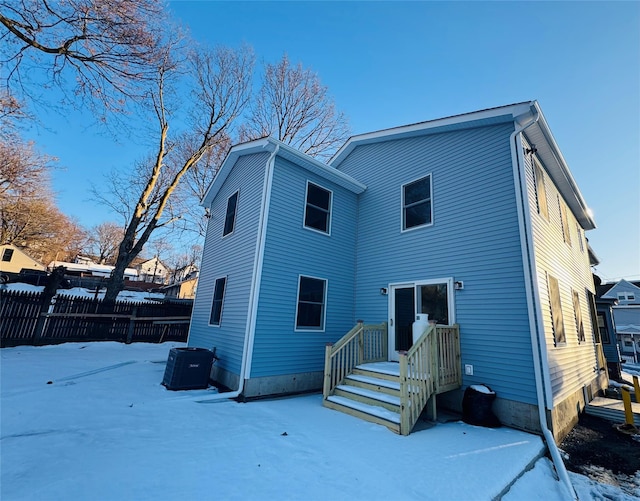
<point>28,318</point>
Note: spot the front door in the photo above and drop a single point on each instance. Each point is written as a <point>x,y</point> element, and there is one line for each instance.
<point>433,297</point>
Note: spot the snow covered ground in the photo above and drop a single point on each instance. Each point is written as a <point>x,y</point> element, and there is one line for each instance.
<point>92,421</point>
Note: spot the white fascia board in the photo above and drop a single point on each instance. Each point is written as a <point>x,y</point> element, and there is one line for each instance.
<point>268,144</point>
<point>559,170</point>
<point>235,152</point>
<point>415,129</point>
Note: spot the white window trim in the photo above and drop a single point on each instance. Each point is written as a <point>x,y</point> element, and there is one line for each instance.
<point>324,304</point>
<point>213,295</point>
<point>402,228</point>
<point>304,215</point>
<point>235,214</point>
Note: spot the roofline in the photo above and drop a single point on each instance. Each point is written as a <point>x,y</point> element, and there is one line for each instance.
<point>269,145</point>
<point>391,133</point>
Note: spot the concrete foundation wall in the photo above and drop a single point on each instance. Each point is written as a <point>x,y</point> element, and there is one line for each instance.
<point>225,378</point>
<point>278,385</point>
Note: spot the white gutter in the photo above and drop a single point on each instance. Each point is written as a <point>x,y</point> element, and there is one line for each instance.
<point>526,244</point>
<point>255,285</point>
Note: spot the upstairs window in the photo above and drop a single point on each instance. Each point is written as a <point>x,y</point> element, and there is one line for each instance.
<point>580,237</point>
<point>556,311</point>
<point>541,191</point>
<point>317,211</point>
<point>578,317</point>
<point>7,255</point>
<point>416,204</point>
<point>218,298</point>
<point>312,293</point>
<point>565,222</point>
<point>230,217</point>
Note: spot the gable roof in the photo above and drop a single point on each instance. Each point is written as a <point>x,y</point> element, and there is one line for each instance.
<point>271,145</point>
<point>537,134</point>
<point>34,262</point>
<point>621,286</point>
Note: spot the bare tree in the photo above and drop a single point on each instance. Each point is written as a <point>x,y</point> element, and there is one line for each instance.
<point>221,81</point>
<point>294,107</point>
<point>97,50</point>
<point>103,242</point>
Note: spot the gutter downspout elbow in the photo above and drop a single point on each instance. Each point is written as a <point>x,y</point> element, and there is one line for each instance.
<point>520,180</point>
<point>255,287</point>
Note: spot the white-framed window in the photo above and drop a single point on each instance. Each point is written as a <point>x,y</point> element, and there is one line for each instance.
<point>230,215</point>
<point>626,296</point>
<point>556,311</point>
<point>541,190</point>
<point>311,303</point>
<point>578,316</point>
<point>417,203</point>
<point>317,208</point>
<point>565,222</point>
<point>218,299</point>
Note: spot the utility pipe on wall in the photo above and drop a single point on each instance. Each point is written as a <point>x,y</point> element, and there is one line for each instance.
<point>527,254</point>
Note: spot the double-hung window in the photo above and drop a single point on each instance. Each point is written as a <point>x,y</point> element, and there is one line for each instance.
<point>541,191</point>
<point>230,216</point>
<point>317,211</point>
<point>218,298</point>
<point>417,207</point>
<point>556,311</point>
<point>312,297</point>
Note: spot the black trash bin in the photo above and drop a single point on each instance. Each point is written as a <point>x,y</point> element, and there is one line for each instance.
<point>188,369</point>
<point>476,406</point>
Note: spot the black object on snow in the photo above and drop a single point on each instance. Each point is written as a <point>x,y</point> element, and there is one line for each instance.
<point>476,406</point>
<point>188,369</point>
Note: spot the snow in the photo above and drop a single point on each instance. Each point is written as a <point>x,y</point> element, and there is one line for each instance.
<point>92,421</point>
<point>480,388</point>
<point>132,296</point>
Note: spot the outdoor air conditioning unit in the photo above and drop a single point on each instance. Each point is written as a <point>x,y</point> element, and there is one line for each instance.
<point>188,369</point>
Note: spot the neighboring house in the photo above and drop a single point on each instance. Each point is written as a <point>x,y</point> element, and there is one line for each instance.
<point>13,260</point>
<point>184,289</point>
<point>474,219</point>
<point>87,268</point>
<point>627,317</point>
<point>152,270</point>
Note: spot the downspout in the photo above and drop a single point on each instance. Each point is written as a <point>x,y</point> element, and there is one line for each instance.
<point>527,253</point>
<point>255,285</point>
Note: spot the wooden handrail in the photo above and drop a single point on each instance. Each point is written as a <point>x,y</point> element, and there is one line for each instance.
<point>362,344</point>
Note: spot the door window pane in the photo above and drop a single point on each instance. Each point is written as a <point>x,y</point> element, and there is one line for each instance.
<point>433,300</point>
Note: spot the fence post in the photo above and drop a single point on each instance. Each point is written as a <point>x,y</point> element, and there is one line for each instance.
<point>326,389</point>
<point>50,290</point>
<point>132,322</point>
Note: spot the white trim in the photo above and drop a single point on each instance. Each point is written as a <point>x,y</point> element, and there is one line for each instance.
<point>324,306</point>
<point>213,296</point>
<point>258,260</point>
<point>304,212</point>
<point>235,214</point>
<point>402,207</point>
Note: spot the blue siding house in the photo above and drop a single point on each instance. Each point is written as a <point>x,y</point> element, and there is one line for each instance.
<point>473,219</point>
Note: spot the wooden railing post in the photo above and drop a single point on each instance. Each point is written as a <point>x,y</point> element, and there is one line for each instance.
<point>360,343</point>
<point>326,389</point>
<point>404,395</point>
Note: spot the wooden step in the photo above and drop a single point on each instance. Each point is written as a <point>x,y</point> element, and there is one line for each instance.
<point>374,384</point>
<point>372,413</point>
<point>381,370</point>
<point>389,402</point>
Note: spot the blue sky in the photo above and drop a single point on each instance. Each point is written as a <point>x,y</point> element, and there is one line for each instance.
<point>394,63</point>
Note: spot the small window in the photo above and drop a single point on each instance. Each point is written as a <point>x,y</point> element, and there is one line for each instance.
<point>578,317</point>
<point>631,296</point>
<point>317,212</point>
<point>218,297</point>
<point>416,204</point>
<point>541,191</point>
<point>565,224</point>
<point>580,237</point>
<point>230,217</point>
<point>602,329</point>
<point>311,303</point>
<point>556,311</point>
<point>7,255</point>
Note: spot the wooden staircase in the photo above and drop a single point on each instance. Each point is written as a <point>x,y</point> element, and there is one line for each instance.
<point>371,392</point>
<point>361,382</point>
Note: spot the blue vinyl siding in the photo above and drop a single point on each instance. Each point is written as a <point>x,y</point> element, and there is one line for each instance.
<point>232,256</point>
<point>290,251</point>
<point>474,238</point>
